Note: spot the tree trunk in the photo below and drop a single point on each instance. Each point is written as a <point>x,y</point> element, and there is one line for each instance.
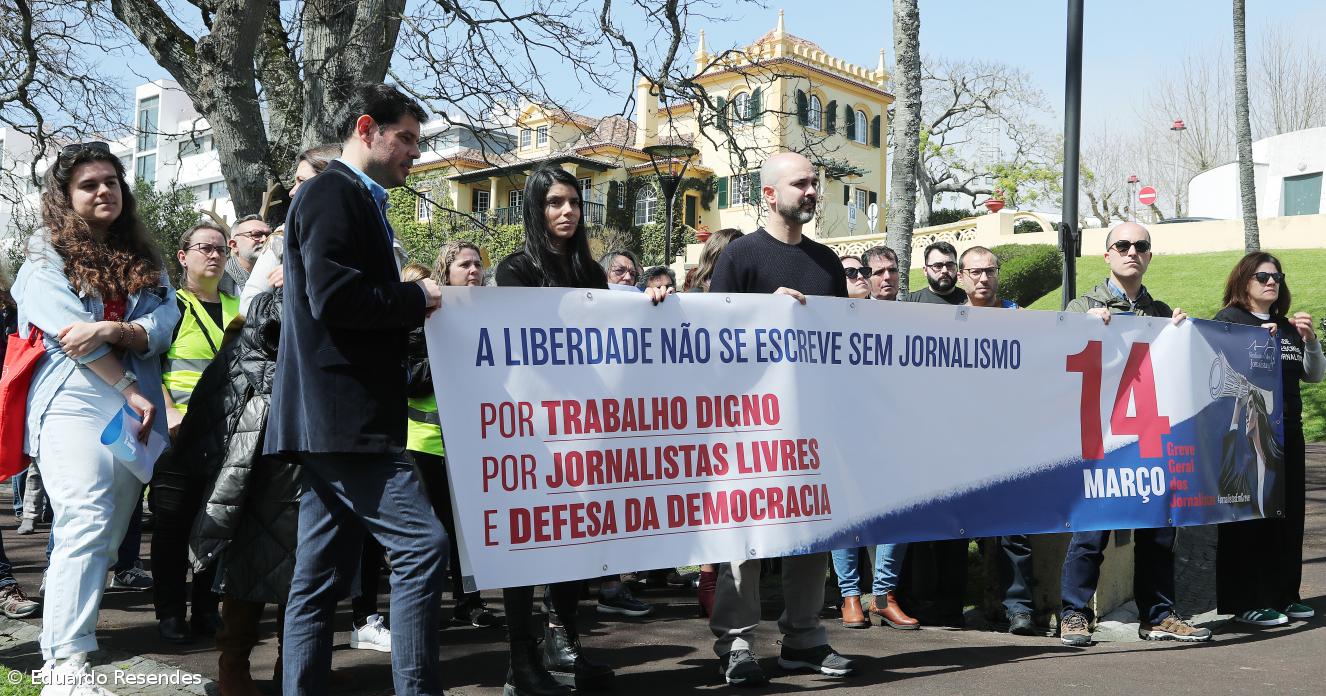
<point>925,198</point>
<point>907,129</point>
<point>345,44</point>
<point>1243,126</point>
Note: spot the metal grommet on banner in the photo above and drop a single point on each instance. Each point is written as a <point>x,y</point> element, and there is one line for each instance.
<point>1068,525</point>
<point>962,532</point>
<point>851,305</point>
<point>605,567</point>
<point>589,297</point>
<point>1170,521</point>
<point>1061,317</point>
<point>962,314</point>
<point>1226,327</point>
<point>728,299</point>
<point>857,538</point>
<point>752,553</point>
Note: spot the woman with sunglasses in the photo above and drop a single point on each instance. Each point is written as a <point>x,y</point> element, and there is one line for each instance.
<point>95,286</point>
<point>858,277</point>
<point>1259,563</point>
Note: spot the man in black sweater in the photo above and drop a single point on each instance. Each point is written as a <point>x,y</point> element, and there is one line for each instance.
<point>941,275</point>
<point>778,259</point>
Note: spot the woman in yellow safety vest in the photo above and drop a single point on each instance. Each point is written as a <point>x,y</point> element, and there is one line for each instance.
<point>205,312</point>
<point>458,263</point>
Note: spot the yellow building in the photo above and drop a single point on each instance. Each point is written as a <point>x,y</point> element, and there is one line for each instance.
<point>779,93</point>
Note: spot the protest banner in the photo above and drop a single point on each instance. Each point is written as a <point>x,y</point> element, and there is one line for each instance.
<point>589,432</point>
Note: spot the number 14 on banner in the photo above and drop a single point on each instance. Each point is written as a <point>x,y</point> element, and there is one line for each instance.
<point>1137,383</point>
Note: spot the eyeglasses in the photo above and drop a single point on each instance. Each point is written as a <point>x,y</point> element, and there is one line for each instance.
<point>256,235</point>
<point>991,271</point>
<point>72,151</point>
<point>209,249</point>
<point>1122,246</point>
<point>854,272</point>
<point>623,271</point>
<point>1263,277</point>
<point>949,266</point>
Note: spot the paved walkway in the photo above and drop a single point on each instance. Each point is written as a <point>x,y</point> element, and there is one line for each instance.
<point>670,652</point>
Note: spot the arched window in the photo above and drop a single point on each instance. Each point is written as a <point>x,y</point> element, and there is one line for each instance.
<point>862,127</point>
<point>646,202</point>
<point>741,107</point>
<point>815,114</point>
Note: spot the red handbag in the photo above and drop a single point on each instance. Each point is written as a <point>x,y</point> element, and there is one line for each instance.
<point>21,358</point>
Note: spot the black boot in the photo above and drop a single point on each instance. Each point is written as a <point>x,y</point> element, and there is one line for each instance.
<point>567,663</point>
<point>526,675</point>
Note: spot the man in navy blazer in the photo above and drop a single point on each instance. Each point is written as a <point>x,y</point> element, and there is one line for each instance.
<point>338,401</point>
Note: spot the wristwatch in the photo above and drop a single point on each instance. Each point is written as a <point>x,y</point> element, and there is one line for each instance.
<point>128,379</point>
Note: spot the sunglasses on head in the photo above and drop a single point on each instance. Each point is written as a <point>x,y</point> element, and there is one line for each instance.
<point>854,272</point>
<point>72,151</point>
<point>1122,246</point>
<point>1264,277</point>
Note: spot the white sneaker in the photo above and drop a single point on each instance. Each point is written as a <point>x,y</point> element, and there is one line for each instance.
<point>73,677</point>
<point>372,636</point>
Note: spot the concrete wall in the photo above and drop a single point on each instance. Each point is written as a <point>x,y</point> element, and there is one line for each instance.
<point>1215,192</point>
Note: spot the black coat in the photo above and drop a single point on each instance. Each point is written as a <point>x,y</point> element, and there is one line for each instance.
<point>340,378</point>
<point>251,518</point>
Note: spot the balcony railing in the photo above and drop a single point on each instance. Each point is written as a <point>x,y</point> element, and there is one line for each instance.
<point>596,214</point>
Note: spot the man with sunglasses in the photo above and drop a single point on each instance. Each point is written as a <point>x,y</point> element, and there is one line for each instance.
<point>1128,253</point>
<point>941,275</point>
<point>247,237</point>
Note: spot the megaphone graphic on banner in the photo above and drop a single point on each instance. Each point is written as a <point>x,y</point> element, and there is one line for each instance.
<point>1225,381</point>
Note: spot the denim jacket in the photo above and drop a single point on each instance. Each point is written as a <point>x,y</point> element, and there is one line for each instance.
<point>46,299</point>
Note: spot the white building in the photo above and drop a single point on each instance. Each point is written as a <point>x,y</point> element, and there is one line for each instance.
<point>1287,170</point>
<point>171,146</point>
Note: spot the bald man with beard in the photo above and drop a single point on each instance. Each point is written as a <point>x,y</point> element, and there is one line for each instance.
<point>778,259</point>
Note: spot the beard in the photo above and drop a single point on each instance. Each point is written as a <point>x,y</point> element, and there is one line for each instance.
<point>941,285</point>
<point>794,212</point>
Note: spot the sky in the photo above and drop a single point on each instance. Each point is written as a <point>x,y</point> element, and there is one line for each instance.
<point>1127,44</point>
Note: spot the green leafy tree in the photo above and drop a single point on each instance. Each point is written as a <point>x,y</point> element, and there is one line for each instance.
<point>167,215</point>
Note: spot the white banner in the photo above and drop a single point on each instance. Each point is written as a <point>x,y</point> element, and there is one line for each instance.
<point>588,432</point>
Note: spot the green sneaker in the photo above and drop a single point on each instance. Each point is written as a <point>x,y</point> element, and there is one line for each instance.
<point>1262,617</point>
<point>1299,610</point>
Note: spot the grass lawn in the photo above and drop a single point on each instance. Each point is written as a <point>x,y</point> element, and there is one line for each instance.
<point>25,686</point>
<point>1196,282</point>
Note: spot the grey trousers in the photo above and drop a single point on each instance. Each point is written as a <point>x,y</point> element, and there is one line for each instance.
<point>737,603</point>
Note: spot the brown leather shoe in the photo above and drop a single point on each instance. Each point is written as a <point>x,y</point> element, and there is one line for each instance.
<point>892,615</point>
<point>853,616</point>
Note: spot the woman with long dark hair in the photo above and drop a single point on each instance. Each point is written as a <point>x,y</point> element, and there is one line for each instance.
<point>94,285</point>
<point>1259,562</point>
<point>556,255</point>
<point>697,280</point>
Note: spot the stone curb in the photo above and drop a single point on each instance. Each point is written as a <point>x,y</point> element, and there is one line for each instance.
<point>19,651</point>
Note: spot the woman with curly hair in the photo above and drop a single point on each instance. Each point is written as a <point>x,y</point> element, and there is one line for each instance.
<point>95,286</point>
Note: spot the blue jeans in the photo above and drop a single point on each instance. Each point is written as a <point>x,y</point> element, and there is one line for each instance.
<point>1153,571</point>
<point>888,563</point>
<point>16,484</point>
<point>344,496</point>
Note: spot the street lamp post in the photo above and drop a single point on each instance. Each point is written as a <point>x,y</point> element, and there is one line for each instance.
<point>1178,129</point>
<point>1132,196</point>
<point>667,155</point>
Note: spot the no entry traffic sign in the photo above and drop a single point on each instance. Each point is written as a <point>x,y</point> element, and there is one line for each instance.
<point>1146,195</point>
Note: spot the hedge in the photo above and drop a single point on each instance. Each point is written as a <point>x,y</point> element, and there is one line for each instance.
<point>1028,271</point>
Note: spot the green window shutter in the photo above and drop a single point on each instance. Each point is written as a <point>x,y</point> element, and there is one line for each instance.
<point>722,113</point>
<point>803,108</point>
<point>847,194</point>
<point>831,118</point>
<point>849,122</point>
<point>722,192</point>
<point>753,178</point>
<point>874,132</point>
<point>755,109</point>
